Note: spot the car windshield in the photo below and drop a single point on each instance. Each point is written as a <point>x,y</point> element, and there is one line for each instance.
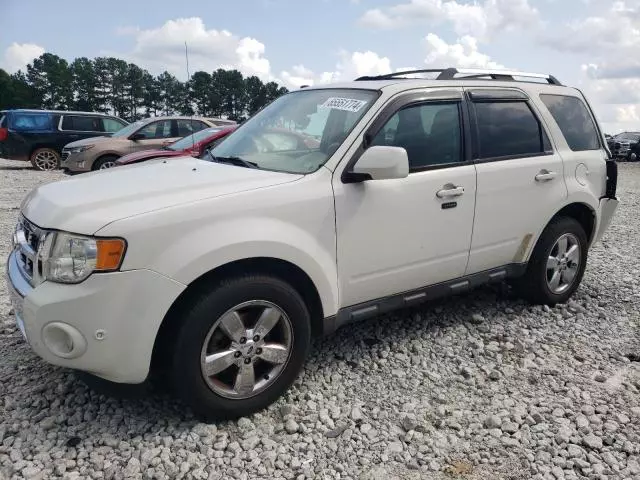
<point>191,139</point>
<point>634,137</point>
<point>129,129</point>
<point>298,132</point>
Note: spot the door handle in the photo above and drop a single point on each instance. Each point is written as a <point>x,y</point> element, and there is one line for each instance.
<point>545,176</point>
<point>450,190</point>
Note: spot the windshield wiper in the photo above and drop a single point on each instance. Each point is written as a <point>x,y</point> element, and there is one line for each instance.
<point>240,162</point>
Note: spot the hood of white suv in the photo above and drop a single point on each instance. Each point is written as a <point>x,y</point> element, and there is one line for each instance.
<point>88,202</point>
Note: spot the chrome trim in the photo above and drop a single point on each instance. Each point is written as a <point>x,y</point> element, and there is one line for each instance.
<point>29,245</point>
<point>15,277</point>
<point>512,73</point>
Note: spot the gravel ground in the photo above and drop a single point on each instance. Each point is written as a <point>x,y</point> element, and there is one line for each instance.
<point>478,387</point>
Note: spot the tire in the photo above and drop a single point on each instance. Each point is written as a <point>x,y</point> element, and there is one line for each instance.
<point>45,159</point>
<point>537,284</point>
<point>105,162</point>
<point>632,157</point>
<point>203,333</point>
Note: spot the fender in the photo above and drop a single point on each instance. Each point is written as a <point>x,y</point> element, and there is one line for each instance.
<point>578,197</point>
<point>236,240</point>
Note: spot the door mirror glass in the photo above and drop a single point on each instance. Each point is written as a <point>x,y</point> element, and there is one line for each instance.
<point>383,163</point>
<point>137,136</point>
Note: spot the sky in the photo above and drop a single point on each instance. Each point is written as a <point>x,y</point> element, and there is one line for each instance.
<point>590,44</point>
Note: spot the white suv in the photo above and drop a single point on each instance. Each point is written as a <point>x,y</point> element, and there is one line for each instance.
<point>214,273</point>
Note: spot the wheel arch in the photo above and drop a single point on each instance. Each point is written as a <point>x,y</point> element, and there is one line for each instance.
<point>103,155</point>
<point>584,213</point>
<point>282,269</point>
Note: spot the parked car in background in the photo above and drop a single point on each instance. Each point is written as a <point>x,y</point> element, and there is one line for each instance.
<point>39,136</point>
<point>624,145</point>
<point>147,134</point>
<point>193,145</point>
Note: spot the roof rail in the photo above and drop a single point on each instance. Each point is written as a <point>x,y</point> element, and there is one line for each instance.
<point>468,73</point>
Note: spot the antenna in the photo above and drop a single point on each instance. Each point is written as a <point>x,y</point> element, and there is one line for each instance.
<point>186,55</point>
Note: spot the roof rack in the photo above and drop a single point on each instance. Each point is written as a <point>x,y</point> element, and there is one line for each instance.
<point>468,73</point>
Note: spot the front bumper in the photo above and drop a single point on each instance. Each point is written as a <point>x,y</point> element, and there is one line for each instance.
<point>112,319</point>
<point>75,162</point>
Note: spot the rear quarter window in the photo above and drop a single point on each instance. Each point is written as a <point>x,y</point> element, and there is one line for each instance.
<point>574,121</point>
<point>27,122</point>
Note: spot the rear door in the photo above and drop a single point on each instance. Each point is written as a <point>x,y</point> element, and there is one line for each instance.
<point>520,177</point>
<point>76,127</point>
<point>578,141</point>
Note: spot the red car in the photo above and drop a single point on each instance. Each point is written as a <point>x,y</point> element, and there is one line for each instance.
<point>193,145</point>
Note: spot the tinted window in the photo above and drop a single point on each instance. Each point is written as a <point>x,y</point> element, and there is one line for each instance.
<point>572,116</point>
<point>161,129</point>
<point>507,129</point>
<point>110,125</point>
<point>31,121</point>
<point>187,127</point>
<point>430,134</point>
<point>80,123</point>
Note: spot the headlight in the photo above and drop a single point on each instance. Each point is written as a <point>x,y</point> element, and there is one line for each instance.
<point>81,149</point>
<point>73,258</point>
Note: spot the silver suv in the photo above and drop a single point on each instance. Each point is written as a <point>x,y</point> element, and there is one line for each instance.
<point>101,152</point>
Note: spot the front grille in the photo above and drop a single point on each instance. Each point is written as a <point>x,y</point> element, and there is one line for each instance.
<point>29,239</point>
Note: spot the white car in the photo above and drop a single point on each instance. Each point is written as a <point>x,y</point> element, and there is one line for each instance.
<point>216,272</point>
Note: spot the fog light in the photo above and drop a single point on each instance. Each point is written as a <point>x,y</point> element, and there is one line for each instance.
<point>80,164</point>
<point>63,340</point>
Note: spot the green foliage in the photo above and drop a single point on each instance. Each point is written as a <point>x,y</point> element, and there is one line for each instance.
<point>107,84</point>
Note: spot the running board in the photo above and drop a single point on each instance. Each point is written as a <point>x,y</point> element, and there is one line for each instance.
<point>411,298</point>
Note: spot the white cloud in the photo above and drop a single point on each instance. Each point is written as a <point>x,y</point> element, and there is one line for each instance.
<point>463,54</point>
<point>479,19</point>
<point>438,53</point>
<point>18,55</point>
<point>163,48</point>
<point>611,42</point>
<point>614,33</point>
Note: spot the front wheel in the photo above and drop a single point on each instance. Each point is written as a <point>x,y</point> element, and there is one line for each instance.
<point>240,347</point>
<point>102,163</point>
<point>557,264</point>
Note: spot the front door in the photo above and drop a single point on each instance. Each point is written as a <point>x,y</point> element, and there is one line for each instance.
<point>520,178</point>
<point>397,235</point>
<point>155,135</point>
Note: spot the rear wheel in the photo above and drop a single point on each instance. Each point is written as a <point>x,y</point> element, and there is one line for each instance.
<point>45,159</point>
<point>102,163</point>
<point>557,264</point>
<point>240,346</point>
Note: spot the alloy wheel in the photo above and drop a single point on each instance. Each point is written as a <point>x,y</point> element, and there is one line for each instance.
<point>246,349</point>
<point>46,160</point>
<point>563,263</point>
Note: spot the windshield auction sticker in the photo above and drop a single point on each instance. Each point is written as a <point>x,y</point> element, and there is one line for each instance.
<point>346,104</point>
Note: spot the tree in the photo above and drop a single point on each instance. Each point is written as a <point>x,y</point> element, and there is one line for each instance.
<point>84,84</point>
<point>51,77</point>
<point>256,93</point>
<point>199,87</point>
<point>107,84</point>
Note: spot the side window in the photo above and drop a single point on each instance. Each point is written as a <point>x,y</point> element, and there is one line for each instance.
<point>155,130</point>
<point>508,128</point>
<point>187,127</point>
<point>430,133</point>
<point>572,116</point>
<point>110,125</point>
<point>80,123</point>
<point>31,121</point>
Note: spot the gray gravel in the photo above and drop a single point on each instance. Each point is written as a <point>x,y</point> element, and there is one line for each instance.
<point>478,387</point>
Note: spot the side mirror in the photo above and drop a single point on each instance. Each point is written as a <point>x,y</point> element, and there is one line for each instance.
<point>136,136</point>
<point>382,163</point>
